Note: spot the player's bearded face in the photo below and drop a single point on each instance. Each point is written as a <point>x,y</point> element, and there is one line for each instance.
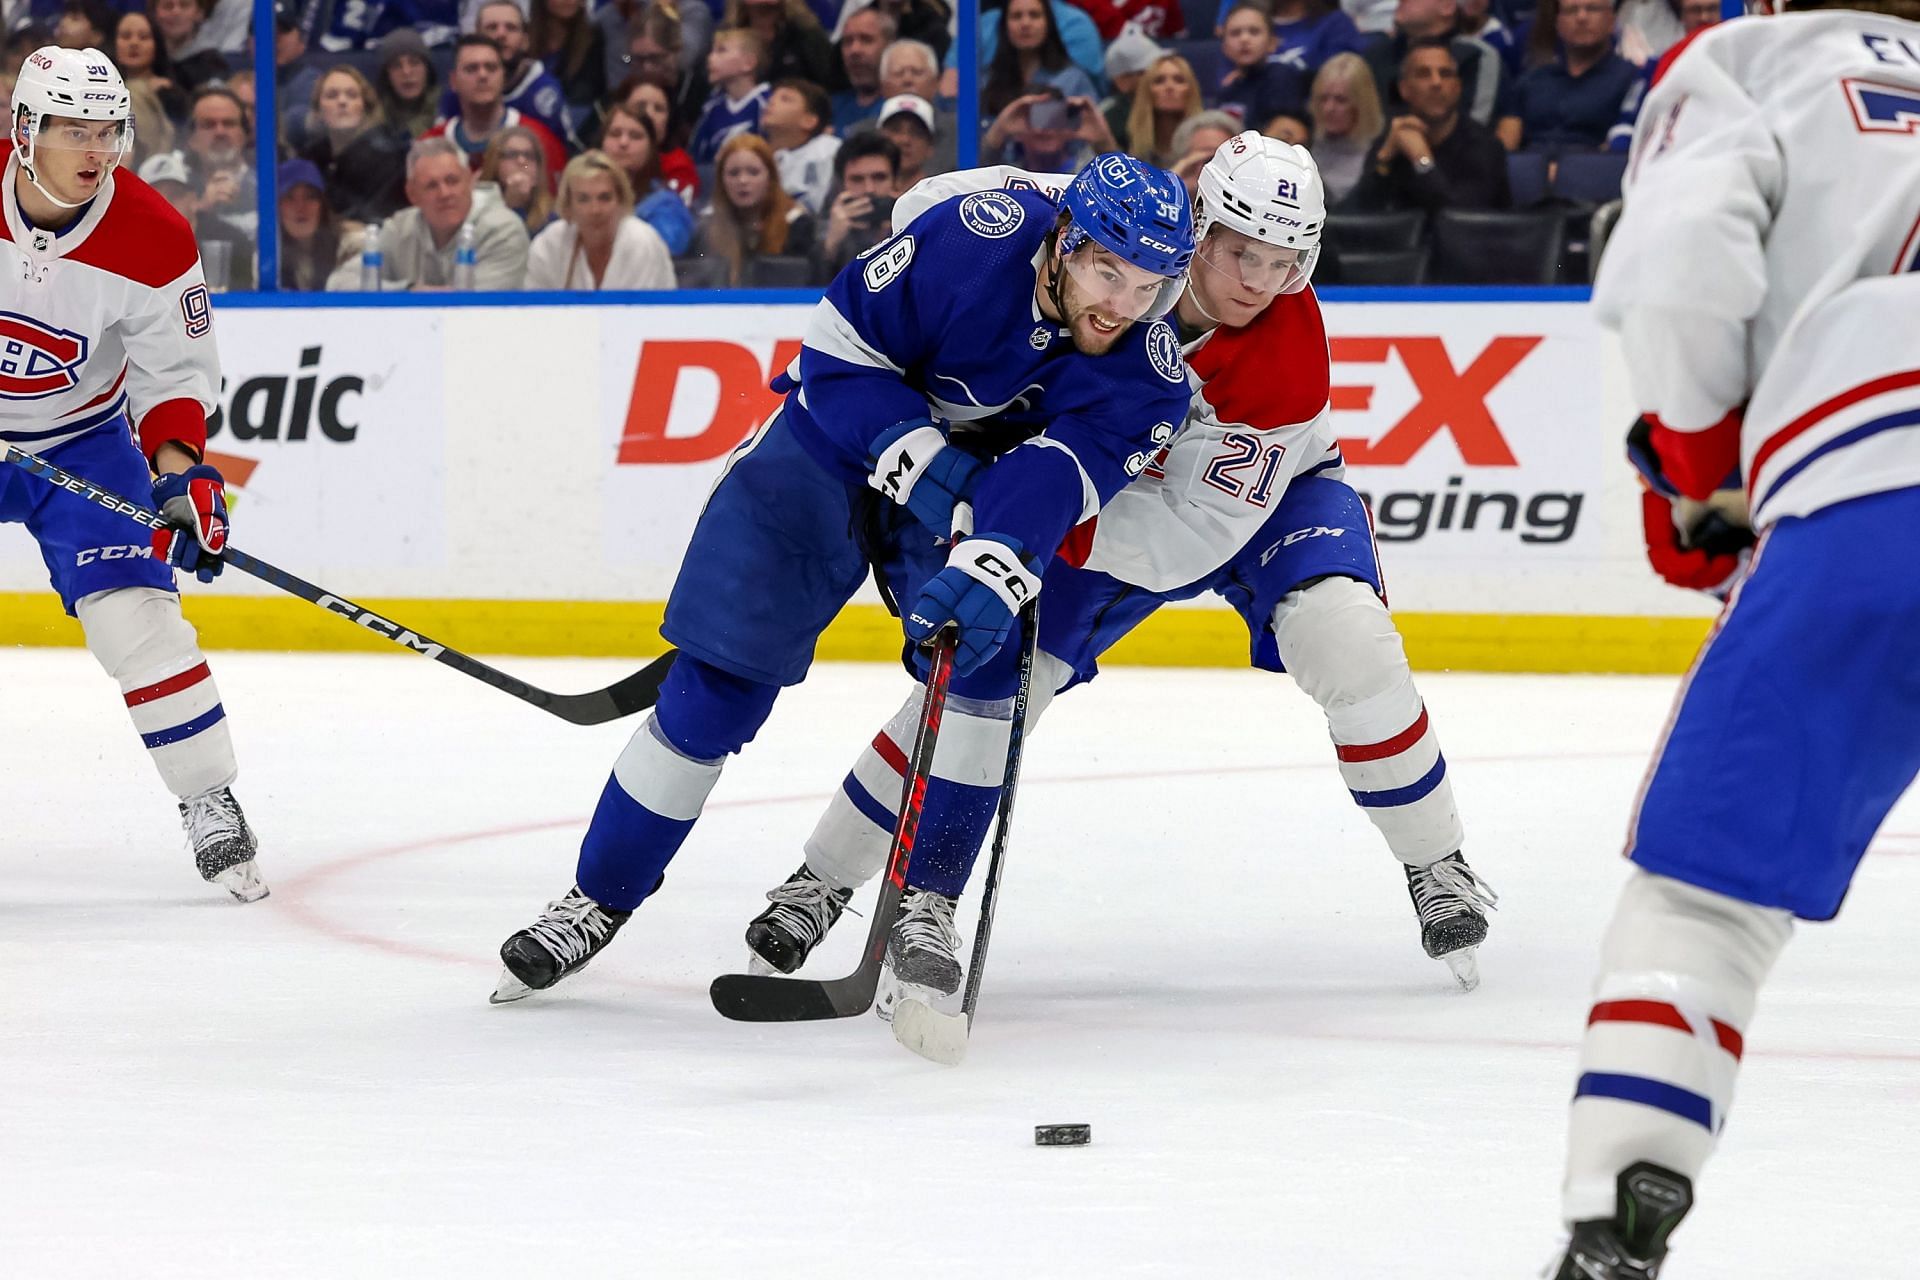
<point>1101,295</point>
<point>74,157</point>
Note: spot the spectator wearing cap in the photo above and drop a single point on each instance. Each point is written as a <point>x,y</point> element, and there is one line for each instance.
<point>1308,32</point>
<point>478,77</point>
<point>867,177</point>
<point>295,73</point>
<point>1571,97</point>
<point>310,239</point>
<point>526,85</point>
<point>417,245</point>
<point>219,146</point>
<point>1253,87</point>
<point>794,123</point>
<point>864,37</point>
<point>632,141</point>
<point>598,244</point>
<point>1166,97</point>
<point>1347,121</point>
<point>406,82</point>
<point>1128,60</point>
<point>751,217</point>
<point>908,70</point>
<point>363,160</point>
<point>516,163</point>
<point>907,121</point>
<point>1434,156</point>
<point>1486,89</point>
<point>216,237</point>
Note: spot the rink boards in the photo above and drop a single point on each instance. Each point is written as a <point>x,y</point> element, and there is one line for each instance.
<point>524,480</point>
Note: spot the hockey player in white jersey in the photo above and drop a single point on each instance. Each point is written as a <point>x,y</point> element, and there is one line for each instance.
<point>108,369</point>
<point>1247,501</point>
<point>1765,281</point>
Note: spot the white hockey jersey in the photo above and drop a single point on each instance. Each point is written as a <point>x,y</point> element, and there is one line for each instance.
<point>1769,254</point>
<point>107,317</point>
<point>1258,416</point>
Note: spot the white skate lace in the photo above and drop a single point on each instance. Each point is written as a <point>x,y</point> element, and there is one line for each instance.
<point>569,927</point>
<point>927,922</point>
<point>1450,888</point>
<point>804,908</point>
<point>210,818</point>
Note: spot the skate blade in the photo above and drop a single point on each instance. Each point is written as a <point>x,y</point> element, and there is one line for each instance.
<point>935,1036</point>
<point>760,968</point>
<point>509,989</point>
<point>243,881</point>
<point>886,994</point>
<point>1465,966</point>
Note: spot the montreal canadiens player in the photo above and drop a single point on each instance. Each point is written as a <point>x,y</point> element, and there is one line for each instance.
<point>1001,326</point>
<point>108,370</point>
<point>1248,502</point>
<point>1765,282</point>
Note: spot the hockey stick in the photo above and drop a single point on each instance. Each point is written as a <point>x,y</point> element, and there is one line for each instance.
<point>750,997</point>
<point>622,698</point>
<point>942,1037</point>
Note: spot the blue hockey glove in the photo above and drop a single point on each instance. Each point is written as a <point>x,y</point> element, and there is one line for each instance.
<point>984,584</point>
<point>194,503</point>
<point>915,466</point>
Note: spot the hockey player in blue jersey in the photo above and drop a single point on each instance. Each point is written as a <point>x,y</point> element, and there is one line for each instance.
<point>1003,350</point>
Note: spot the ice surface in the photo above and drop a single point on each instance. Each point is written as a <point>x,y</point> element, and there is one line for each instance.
<point>1203,951</point>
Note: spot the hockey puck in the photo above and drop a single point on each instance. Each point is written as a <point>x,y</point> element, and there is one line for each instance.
<point>1062,1135</point>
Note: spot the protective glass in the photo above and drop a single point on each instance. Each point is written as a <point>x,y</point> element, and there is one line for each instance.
<point>1266,269</point>
<point>1110,284</point>
<point>111,136</point>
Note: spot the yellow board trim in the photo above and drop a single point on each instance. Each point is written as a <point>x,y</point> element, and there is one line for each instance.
<point>865,633</point>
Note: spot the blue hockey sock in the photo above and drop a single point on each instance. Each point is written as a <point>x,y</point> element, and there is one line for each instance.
<point>645,813</point>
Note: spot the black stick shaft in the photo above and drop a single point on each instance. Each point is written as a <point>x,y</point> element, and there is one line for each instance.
<point>635,693</point>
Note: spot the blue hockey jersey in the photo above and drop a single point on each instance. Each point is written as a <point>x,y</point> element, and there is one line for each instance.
<point>941,321</point>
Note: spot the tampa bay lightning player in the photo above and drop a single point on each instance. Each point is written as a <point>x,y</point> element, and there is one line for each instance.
<point>1002,350</point>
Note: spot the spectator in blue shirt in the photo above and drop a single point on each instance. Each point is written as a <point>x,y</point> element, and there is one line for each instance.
<point>632,141</point>
<point>1573,99</point>
<point>1308,32</point>
<point>1254,88</point>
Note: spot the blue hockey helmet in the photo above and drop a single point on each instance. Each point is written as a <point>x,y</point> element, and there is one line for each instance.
<point>1137,212</point>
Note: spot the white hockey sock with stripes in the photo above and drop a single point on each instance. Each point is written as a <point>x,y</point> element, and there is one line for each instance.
<point>140,638</point>
<point>1339,643</point>
<point>1680,971</point>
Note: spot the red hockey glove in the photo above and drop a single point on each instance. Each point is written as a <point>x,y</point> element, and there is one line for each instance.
<point>1709,557</point>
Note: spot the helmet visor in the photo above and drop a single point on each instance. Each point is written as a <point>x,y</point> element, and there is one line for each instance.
<point>110,137</point>
<point>1111,284</point>
<point>1265,269</point>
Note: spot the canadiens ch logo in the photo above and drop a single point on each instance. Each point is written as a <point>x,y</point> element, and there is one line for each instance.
<point>37,360</point>
<point>992,214</point>
<point>1163,349</point>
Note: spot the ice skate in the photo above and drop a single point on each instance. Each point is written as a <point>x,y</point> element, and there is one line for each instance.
<point>570,932</point>
<point>923,953</point>
<point>1631,1245</point>
<point>804,907</point>
<point>1452,902</point>
<point>223,844</point>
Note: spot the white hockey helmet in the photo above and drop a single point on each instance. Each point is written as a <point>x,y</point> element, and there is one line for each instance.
<point>78,84</point>
<point>1269,191</point>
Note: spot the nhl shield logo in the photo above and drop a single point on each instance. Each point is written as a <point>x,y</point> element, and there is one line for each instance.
<point>992,214</point>
<point>37,360</point>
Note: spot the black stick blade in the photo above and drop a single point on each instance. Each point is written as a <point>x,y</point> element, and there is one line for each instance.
<point>749,997</point>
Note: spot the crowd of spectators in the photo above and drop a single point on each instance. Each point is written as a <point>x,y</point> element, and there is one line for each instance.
<point>621,144</point>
